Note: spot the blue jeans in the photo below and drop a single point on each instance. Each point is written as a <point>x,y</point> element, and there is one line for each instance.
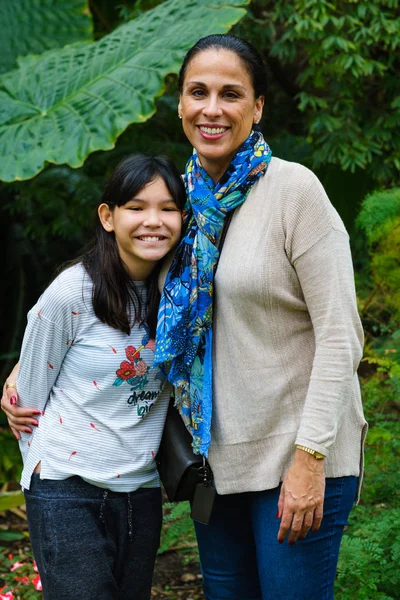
<point>242,560</point>
<point>92,543</point>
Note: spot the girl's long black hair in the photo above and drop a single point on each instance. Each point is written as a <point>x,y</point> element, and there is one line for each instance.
<point>113,290</point>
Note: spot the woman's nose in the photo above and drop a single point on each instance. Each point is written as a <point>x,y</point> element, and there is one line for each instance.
<point>212,107</point>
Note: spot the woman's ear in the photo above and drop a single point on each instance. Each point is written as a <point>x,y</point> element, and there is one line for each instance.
<point>258,110</point>
<point>180,109</point>
<point>106,217</point>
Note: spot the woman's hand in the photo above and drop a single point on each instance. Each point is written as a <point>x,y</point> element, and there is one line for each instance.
<point>19,419</point>
<point>301,500</point>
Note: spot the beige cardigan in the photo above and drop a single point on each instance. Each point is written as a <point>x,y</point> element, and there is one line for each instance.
<point>287,336</point>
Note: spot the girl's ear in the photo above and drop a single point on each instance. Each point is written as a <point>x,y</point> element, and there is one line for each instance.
<point>106,217</point>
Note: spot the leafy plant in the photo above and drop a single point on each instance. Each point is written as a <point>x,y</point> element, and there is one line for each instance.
<point>334,70</point>
<point>20,576</point>
<point>65,104</point>
<point>33,26</point>
<point>178,531</point>
<point>10,460</point>
<point>369,556</point>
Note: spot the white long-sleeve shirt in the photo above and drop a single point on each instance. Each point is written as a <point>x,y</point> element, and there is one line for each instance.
<point>103,405</point>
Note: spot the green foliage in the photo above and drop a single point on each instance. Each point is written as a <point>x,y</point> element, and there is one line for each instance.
<point>11,500</point>
<point>65,104</point>
<point>369,556</point>
<point>33,26</point>
<point>178,531</point>
<point>336,65</point>
<point>10,460</point>
<point>23,580</point>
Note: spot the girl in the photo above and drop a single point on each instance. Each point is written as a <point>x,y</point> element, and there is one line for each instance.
<point>90,480</point>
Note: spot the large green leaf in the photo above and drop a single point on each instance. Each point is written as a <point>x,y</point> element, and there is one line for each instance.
<point>62,106</point>
<point>33,26</point>
<point>11,500</point>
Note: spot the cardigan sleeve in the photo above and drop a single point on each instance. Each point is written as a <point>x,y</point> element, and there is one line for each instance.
<point>326,276</point>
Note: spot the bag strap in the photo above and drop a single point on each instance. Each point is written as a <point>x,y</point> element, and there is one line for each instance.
<point>225,228</point>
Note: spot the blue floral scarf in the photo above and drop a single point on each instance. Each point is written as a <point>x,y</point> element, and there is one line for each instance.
<point>184,329</point>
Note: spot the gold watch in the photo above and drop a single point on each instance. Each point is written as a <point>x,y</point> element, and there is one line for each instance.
<point>314,453</point>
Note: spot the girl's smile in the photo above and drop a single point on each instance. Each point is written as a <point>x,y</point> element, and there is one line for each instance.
<point>146,228</point>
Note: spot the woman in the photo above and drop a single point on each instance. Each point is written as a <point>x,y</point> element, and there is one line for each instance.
<point>90,480</point>
<point>287,422</point>
<point>285,439</point>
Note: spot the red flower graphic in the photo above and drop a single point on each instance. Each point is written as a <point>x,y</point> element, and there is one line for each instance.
<point>126,370</point>
<point>141,367</point>
<point>131,353</point>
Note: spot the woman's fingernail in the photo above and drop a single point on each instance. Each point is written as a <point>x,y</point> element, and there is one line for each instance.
<point>280,541</point>
<point>13,400</point>
<point>291,542</point>
<point>37,412</point>
<point>277,514</point>
<point>27,430</point>
<point>35,423</point>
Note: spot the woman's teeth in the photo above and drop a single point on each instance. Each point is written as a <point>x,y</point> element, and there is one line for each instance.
<point>151,238</point>
<point>213,130</point>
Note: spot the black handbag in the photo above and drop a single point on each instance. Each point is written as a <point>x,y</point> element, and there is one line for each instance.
<point>179,468</point>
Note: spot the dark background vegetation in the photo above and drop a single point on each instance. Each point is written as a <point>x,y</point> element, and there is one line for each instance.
<point>333,105</point>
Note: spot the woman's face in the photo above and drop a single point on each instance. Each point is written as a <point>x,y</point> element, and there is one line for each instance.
<point>146,228</point>
<point>218,107</point>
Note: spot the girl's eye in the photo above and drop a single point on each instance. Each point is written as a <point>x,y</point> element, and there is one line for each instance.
<point>170,209</point>
<point>136,208</point>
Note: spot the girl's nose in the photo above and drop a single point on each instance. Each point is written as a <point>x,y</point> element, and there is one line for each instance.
<point>153,219</point>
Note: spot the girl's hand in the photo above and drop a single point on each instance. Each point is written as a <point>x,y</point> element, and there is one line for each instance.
<point>19,419</point>
<point>301,500</point>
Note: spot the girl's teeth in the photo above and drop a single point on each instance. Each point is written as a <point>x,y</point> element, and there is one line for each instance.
<point>150,239</point>
<point>213,130</point>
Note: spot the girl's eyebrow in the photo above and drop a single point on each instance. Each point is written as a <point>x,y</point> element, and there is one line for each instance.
<point>166,200</point>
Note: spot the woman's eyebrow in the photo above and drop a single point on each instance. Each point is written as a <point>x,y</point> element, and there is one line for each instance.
<point>225,86</point>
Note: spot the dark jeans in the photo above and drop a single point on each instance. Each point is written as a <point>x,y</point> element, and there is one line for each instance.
<point>241,558</point>
<point>92,543</point>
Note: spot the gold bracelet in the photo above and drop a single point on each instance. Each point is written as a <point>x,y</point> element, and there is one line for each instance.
<point>11,385</point>
<point>314,453</point>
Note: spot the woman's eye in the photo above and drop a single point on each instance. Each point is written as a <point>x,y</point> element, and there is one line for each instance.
<point>170,209</point>
<point>136,208</point>
<point>198,93</point>
<point>230,95</point>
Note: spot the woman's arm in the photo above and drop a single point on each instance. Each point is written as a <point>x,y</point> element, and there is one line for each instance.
<point>19,419</point>
<point>326,276</point>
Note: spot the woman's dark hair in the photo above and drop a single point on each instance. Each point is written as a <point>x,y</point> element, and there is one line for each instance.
<point>245,51</point>
<point>113,290</point>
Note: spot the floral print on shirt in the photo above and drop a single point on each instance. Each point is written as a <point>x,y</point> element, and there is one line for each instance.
<point>134,371</point>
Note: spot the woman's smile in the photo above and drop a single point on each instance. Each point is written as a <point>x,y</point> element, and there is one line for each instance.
<point>218,107</point>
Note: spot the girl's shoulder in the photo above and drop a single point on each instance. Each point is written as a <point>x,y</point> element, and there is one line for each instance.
<point>69,293</point>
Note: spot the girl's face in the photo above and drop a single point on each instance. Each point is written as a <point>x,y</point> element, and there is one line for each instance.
<point>146,228</point>
<point>218,107</point>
